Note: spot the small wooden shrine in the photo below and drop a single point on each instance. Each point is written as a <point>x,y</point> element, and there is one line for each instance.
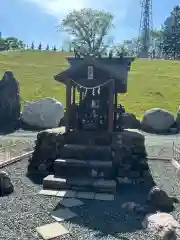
<point>92,86</point>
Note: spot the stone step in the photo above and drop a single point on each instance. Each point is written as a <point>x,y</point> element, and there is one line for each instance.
<point>82,163</point>
<point>79,184</point>
<point>75,167</point>
<point>86,152</point>
<point>88,137</point>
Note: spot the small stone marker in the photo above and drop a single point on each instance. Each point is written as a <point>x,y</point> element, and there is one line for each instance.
<point>85,195</point>
<point>66,194</point>
<point>63,214</point>
<point>71,202</point>
<point>48,192</point>
<point>50,231</point>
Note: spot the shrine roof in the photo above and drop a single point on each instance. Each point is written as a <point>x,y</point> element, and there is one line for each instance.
<point>113,67</point>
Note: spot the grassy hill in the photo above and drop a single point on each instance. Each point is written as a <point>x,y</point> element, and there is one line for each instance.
<point>151,83</point>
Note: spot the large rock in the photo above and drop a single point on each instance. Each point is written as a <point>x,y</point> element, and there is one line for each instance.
<point>129,120</point>
<point>162,225</point>
<point>158,120</point>
<point>159,200</point>
<point>6,186</point>
<point>178,118</point>
<point>44,113</point>
<point>9,100</point>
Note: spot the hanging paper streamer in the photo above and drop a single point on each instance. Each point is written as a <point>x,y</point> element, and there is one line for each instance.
<point>99,90</point>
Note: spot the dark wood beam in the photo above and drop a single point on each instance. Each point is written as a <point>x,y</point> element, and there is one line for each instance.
<point>115,108</point>
<point>74,95</point>
<point>68,105</point>
<point>111,107</point>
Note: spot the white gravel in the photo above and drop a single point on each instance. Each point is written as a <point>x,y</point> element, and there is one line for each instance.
<point>24,210</point>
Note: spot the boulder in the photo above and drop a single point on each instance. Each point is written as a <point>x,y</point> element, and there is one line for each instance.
<point>129,120</point>
<point>158,120</point>
<point>9,100</point>
<point>162,225</point>
<point>6,186</point>
<point>178,118</point>
<point>159,200</point>
<point>44,113</point>
<point>46,151</point>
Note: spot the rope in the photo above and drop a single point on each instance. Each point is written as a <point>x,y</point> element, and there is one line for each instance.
<point>98,86</point>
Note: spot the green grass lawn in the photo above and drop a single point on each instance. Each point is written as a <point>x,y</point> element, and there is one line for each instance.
<point>151,83</point>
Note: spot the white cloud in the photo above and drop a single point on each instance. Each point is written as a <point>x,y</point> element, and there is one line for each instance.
<point>58,8</point>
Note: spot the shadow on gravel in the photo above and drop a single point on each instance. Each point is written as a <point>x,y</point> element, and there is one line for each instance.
<point>36,179</point>
<point>27,127</point>
<point>8,129</point>
<point>108,217</point>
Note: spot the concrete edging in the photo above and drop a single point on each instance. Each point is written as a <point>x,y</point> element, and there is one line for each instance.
<point>15,159</point>
<point>159,158</point>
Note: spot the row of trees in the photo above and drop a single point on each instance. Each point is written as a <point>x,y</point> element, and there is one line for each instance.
<point>40,47</point>
<point>14,44</point>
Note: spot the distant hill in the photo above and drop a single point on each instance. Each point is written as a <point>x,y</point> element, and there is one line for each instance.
<point>151,84</point>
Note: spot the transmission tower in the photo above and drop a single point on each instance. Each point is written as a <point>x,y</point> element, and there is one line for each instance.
<point>145,30</point>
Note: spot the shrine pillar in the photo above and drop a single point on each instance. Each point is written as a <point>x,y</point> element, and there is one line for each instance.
<point>111,107</point>
<point>68,105</point>
<point>115,108</point>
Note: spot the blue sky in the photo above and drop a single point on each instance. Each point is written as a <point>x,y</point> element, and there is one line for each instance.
<point>36,20</point>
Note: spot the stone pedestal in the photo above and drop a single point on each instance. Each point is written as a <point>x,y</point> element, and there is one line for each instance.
<point>129,156</point>
<point>47,150</point>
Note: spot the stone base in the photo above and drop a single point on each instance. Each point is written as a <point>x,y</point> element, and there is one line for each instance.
<point>118,155</point>
<point>129,156</point>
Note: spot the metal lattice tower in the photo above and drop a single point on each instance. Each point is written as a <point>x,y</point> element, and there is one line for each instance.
<point>146,27</point>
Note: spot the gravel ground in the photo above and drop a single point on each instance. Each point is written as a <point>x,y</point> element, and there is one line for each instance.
<point>10,148</point>
<point>24,210</point>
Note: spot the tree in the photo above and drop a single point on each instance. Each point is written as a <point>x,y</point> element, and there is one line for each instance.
<point>88,28</point>
<point>3,45</point>
<point>131,47</point>
<point>70,49</point>
<point>14,43</point>
<point>40,47</point>
<point>171,34</point>
<point>54,48</point>
<point>47,47</point>
<point>32,46</point>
